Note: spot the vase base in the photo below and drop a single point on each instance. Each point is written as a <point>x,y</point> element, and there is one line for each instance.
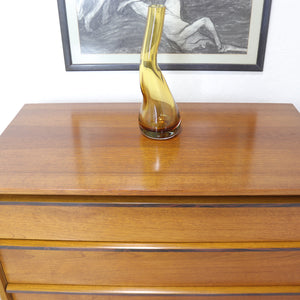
<point>161,135</point>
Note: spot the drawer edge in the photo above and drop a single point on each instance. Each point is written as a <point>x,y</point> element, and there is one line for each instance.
<point>153,291</point>
<point>152,201</point>
<point>3,285</point>
<point>148,247</point>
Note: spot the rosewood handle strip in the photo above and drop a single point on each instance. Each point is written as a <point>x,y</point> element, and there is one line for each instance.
<point>148,247</point>
<point>155,291</point>
<point>149,201</point>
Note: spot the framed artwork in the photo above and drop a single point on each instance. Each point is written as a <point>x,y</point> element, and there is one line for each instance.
<point>197,35</point>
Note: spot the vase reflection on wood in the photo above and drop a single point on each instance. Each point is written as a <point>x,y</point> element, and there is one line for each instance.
<point>159,116</point>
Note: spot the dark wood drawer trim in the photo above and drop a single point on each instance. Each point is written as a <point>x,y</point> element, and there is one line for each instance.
<point>30,296</point>
<point>152,201</point>
<point>148,247</point>
<point>154,291</point>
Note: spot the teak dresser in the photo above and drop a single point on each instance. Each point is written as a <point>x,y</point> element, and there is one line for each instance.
<point>91,209</point>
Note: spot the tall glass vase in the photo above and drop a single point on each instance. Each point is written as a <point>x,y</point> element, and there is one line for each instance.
<point>159,117</point>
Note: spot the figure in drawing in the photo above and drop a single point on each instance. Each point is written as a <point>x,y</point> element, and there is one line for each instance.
<point>184,36</point>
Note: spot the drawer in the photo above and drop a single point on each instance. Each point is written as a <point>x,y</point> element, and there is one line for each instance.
<point>148,222</point>
<point>223,265</point>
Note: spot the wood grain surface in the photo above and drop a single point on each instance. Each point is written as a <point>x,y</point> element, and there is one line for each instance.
<point>97,149</point>
<point>243,267</point>
<point>142,223</point>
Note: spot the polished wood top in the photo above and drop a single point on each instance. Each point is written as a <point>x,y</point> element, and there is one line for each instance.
<point>97,149</point>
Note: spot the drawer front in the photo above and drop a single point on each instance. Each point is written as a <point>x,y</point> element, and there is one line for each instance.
<point>153,268</point>
<point>96,297</point>
<point>150,224</point>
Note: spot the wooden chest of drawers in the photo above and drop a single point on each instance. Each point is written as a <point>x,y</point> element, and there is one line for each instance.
<point>91,209</point>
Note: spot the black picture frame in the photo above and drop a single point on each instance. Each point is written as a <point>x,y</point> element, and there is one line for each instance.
<point>71,65</point>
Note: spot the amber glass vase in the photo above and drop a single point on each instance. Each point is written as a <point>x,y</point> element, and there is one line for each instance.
<point>159,116</point>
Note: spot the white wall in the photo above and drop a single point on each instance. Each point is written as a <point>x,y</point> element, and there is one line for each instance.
<point>32,66</point>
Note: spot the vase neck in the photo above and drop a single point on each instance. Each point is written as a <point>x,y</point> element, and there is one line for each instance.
<point>154,27</point>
